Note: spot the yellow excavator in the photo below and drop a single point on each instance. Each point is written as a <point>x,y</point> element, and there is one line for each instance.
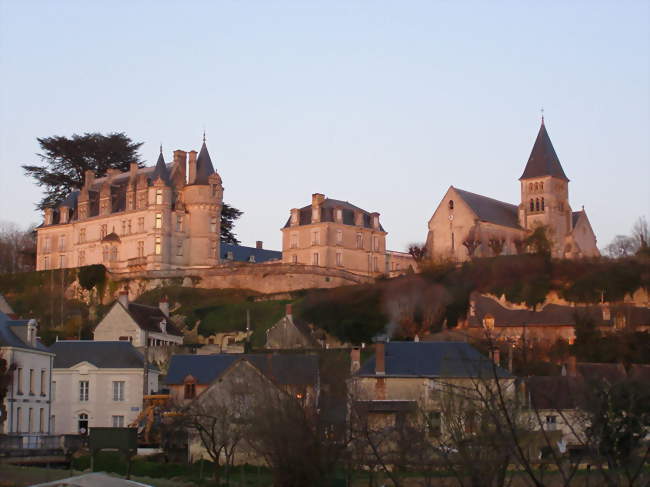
<point>148,421</point>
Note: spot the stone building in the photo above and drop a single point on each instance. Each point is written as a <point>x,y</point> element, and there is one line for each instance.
<point>466,225</point>
<point>336,234</point>
<point>152,218</point>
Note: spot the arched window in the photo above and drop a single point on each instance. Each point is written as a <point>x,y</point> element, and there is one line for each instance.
<point>488,322</point>
<point>536,204</point>
<point>542,204</point>
<point>530,186</point>
<point>532,205</point>
<point>541,186</point>
<point>536,186</point>
<point>451,204</point>
<point>189,391</point>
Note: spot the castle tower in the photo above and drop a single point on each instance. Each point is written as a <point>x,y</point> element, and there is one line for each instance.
<point>545,193</point>
<point>160,201</point>
<point>203,199</point>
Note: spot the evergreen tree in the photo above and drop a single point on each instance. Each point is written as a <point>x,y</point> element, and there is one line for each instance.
<point>228,216</point>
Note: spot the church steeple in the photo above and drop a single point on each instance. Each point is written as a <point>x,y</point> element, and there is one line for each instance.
<point>543,160</point>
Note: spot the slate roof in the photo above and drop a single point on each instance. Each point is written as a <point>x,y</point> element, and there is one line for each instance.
<point>104,355</point>
<point>327,214</point>
<point>160,171</point>
<point>241,253</point>
<point>543,160</point>
<point>8,337</point>
<point>149,318</point>
<point>284,369</point>
<point>491,210</point>
<point>432,359</point>
<point>204,167</point>
<point>5,307</point>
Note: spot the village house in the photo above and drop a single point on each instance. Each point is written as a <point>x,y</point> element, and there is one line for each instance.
<point>548,322</point>
<point>98,383</point>
<point>339,235</point>
<point>165,216</point>
<point>27,405</point>
<point>466,225</point>
<point>291,332</point>
<point>138,324</point>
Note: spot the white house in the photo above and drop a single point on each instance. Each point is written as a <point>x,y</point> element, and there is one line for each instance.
<point>26,408</point>
<point>97,384</point>
<point>138,324</point>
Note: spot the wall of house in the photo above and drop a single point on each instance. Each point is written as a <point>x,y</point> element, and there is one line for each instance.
<point>117,324</point>
<point>285,335</point>
<point>21,398</point>
<point>100,407</point>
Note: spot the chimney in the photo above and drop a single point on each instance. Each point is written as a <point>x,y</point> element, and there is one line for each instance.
<point>112,172</point>
<point>380,358</point>
<point>287,309</point>
<point>89,177</point>
<point>572,366</point>
<point>355,359</point>
<point>133,169</point>
<point>191,166</point>
<point>180,158</point>
<point>317,199</point>
<point>375,220</point>
<point>295,216</point>
<point>123,298</point>
<point>259,244</point>
<point>164,306</point>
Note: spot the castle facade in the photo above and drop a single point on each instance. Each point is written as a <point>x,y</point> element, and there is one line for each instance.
<point>167,216</point>
<point>466,225</point>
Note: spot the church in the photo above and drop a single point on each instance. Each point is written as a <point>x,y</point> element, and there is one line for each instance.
<point>466,225</point>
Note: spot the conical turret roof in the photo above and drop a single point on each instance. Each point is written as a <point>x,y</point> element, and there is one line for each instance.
<point>543,160</point>
<point>161,169</point>
<point>204,167</point>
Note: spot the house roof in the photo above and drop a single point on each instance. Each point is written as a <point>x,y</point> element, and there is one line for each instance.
<point>9,338</point>
<point>593,372</point>
<point>575,216</point>
<point>5,307</point>
<point>285,369</point>
<point>543,160</point>
<point>160,171</point>
<point>491,210</point>
<point>328,207</point>
<point>241,253</point>
<point>301,326</point>
<point>104,355</point>
<point>433,359</point>
<point>204,167</point>
<point>149,317</point>
<point>555,392</point>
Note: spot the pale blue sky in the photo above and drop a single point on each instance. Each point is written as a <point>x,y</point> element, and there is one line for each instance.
<point>383,104</point>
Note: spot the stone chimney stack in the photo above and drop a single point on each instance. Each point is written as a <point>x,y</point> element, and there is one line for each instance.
<point>380,358</point>
<point>89,177</point>
<point>191,167</point>
<point>375,220</point>
<point>355,359</point>
<point>180,159</point>
<point>133,169</point>
<point>49,213</point>
<point>164,306</point>
<point>316,202</point>
<point>123,298</point>
<point>259,244</point>
<point>295,217</point>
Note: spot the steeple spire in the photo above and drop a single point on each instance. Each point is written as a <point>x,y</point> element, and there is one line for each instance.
<point>204,167</point>
<point>161,169</point>
<point>543,160</point>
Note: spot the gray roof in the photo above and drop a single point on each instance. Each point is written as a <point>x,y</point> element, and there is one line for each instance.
<point>149,317</point>
<point>284,369</point>
<point>433,359</point>
<point>204,167</point>
<point>241,253</point>
<point>491,210</point>
<point>5,307</point>
<point>160,170</point>
<point>543,160</point>
<point>328,206</point>
<point>8,337</point>
<point>103,355</point>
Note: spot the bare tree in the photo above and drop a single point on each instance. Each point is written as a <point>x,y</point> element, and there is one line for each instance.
<point>472,242</point>
<point>418,252</point>
<point>496,244</point>
<point>17,248</point>
<point>641,233</point>
<point>621,246</point>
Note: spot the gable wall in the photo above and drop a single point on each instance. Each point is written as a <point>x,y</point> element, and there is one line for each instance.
<point>118,323</point>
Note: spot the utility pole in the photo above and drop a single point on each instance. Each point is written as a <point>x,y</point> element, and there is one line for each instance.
<point>145,377</point>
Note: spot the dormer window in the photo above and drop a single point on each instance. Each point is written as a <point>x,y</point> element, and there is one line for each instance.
<point>159,197</point>
<point>251,259</point>
<point>230,255</point>
<point>488,322</point>
<point>189,388</point>
<point>163,326</point>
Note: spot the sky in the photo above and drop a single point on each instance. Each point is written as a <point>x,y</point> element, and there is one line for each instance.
<point>382,104</point>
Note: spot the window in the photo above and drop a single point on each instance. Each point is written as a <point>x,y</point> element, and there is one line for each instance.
<point>294,240</point>
<point>179,247</point>
<point>19,380</point>
<point>294,259</point>
<point>375,264</point>
<point>230,255</point>
<point>157,246</point>
<point>30,420</point>
<point>315,238</point>
<point>52,424</point>
<point>118,390</point>
<point>53,392</point>
<point>61,243</point>
<point>105,253</point>
<point>82,424</point>
<point>339,259</point>
<point>536,186</point>
<point>159,197</point>
<point>141,224</point>
<point>82,235</point>
<point>532,205</point>
<point>434,423</point>
<point>47,244</point>
<point>541,186</point>
<point>536,204</point>
<point>314,258</point>
<point>113,254</point>
<point>41,420</point>
<point>123,227</point>
<point>339,236</point>
<point>158,223</point>
<point>542,204</point>
<point>61,261</point>
<point>103,231</point>
<point>43,376</point>
<point>128,227</point>
<point>118,421</point>
<point>179,223</point>
<point>19,418</point>
<point>83,390</point>
<point>530,186</point>
<point>339,215</point>
<point>140,248</point>
<point>190,389</point>
<point>375,242</point>
<point>551,423</point>
<point>31,382</point>
<point>46,263</point>
<point>451,204</point>
<point>213,224</point>
<point>214,253</point>
<point>488,322</point>
<point>359,241</point>
<point>142,200</point>
<point>82,258</point>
